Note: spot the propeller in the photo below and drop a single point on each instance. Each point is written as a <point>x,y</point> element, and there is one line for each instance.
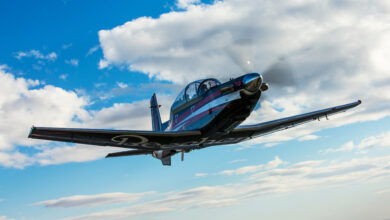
<point>279,73</point>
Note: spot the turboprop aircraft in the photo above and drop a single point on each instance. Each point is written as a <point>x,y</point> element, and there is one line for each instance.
<point>205,113</point>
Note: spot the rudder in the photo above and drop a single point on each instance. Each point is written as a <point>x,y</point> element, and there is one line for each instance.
<point>155,112</point>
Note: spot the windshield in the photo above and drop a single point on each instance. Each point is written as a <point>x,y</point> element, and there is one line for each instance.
<point>193,90</point>
<point>180,99</point>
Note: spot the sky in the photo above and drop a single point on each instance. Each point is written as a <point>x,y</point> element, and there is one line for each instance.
<point>95,64</point>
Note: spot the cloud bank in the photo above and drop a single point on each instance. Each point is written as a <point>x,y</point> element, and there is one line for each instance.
<point>338,52</point>
<point>301,176</point>
<point>25,102</point>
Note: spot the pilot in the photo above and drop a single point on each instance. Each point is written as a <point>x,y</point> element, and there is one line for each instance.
<point>203,89</point>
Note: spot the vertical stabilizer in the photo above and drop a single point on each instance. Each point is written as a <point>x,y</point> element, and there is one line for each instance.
<point>154,109</point>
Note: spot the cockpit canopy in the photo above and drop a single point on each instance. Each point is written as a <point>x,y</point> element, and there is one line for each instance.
<point>194,90</point>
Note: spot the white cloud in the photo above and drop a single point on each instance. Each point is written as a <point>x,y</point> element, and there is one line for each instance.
<point>128,115</point>
<point>6,218</point>
<point>65,154</point>
<point>302,176</point>
<point>103,64</point>
<point>36,54</point>
<point>382,140</point>
<point>201,174</point>
<point>184,4</point>
<point>23,105</point>
<point>63,76</point>
<point>15,159</point>
<point>250,169</point>
<point>73,62</point>
<point>92,200</point>
<point>271,144</point>
<point>331,49</point>
<point>122,213</point>
<point>148,45</point>
<point>92,50</point>
<point>247,169</point>
<point>345,147</point>
<point>238,161</point>
<point>368,143</point>
<point>383,191</point>
<point>66,46</point>
<point>308,138</point>
<point>122,85</point>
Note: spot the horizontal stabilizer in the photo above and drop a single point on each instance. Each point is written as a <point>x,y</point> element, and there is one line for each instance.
<point>129,153</point>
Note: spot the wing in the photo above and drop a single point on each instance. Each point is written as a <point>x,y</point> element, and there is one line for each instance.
<point>144,140</point>
<point>149,140</point>
<point>246,132</point>
<point>129,153</point>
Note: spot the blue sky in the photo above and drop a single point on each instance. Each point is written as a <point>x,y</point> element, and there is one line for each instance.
<point>96,64</point>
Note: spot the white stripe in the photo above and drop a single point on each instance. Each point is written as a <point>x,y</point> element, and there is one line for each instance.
<point>216,102</point>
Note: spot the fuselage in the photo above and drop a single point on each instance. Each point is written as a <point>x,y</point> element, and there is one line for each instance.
<point>215,108</point>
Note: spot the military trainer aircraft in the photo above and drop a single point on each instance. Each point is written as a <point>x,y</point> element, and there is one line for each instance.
<point>205,113</point>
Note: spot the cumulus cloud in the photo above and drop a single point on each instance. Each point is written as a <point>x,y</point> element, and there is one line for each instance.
<point>22,105</point>
<point>149,45</point>
<point>36,54</point>
<point>26,102</point>
<point>331,48</point>
<point>92,200</point>
<point>64,153</point>
<point>302,176</point>
<point>127,115</point>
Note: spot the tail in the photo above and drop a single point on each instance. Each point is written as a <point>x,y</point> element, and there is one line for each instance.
<point>154,109</point>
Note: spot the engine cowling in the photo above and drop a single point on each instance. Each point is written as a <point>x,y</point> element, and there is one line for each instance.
<point>252,82</point>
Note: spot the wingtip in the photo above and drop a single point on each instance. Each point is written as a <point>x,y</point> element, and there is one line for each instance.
<point>31,131</point>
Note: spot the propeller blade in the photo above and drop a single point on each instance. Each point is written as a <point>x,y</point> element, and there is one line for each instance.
<point>279,73</point>
<point>182,155</point>
<point>241,52</point>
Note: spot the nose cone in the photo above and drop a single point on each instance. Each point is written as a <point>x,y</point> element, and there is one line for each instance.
<point>252,82</point>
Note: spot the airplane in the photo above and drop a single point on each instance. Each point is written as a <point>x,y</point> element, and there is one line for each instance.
<point>205,113</point>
